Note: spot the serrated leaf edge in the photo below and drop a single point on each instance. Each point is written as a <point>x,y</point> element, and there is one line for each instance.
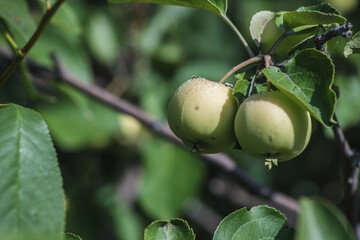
<point>330,84</point>
<point>332,121</point>
<point>282,13</point>
<point>321,4</point>
<point>256,207</point>
<point>167,222</point>
<point>322,13</point>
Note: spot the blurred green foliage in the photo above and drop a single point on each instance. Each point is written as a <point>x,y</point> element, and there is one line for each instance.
<point>118,178</point>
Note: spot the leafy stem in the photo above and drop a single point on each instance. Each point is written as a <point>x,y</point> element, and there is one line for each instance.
<point>21,53</point>
<point>11,41</point>
<point>237,32</point>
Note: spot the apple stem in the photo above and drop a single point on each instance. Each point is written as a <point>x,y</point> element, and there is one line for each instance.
<point>267,64</point>
<point>241,65</point>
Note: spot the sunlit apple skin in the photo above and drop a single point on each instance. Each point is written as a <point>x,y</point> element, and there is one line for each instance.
<point>271,125</point>
<point>201,113</point>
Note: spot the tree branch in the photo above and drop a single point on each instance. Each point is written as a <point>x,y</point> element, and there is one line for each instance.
<point>220,160</point>
<point>351,173</point>
<point>344,31</point>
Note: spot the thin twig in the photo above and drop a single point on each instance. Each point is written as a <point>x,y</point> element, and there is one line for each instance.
<point>351,173</point>
<point>12,43</point>
<point>25,50</point>
<point>344,31</point>
<point>241,65</point>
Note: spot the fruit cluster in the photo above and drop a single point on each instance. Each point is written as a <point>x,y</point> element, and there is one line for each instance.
<point>207,118</point>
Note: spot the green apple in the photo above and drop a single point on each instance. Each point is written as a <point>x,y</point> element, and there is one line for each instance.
<point>273,127</point>
<point>201,113</point>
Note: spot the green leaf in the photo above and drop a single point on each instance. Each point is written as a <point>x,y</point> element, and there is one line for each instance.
<point>308,42</point>
<point>353,46</point>
<point>348,105</point>
<point>261,222</point>
<point>73,116</point>
<point>323,7</point>
<point>258,23</point>
<point>66,18</point>
<point>304,19</point>
<point>17,16</point>
<point>101,38</point>
<point>175,229</point>
<point>174,173</point>
<point>32,198</point>
<point>125,220</point>
<point>320,220</point>
<point>165,18</point>
<point>241,89</point>
<point>308,79</point>
<point>217,6</point>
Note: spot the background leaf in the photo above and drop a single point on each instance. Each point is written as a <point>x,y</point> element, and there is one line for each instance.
<point>321,220</point>
<point>32,199</point>
<point>323,7</point>
<point>126,222</point>
<point>241,89</point>
<point>290,20</point>
<point>308,78</point>
<point>17,17</point>
<point>348,104</point>
<point>72,117</point>
<point>174,173</point>
<point>102,39</point>
<point>353,46</point>
<point>308,42</point>
<point>286,234</point>
<point>261,222</point>
<point>258,23</point>
<point>175,229</point>
<point>217,6</point>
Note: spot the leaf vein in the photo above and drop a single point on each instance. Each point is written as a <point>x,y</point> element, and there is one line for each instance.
<point>17,159</point>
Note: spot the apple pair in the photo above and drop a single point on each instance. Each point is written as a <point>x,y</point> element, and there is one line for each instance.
<point>206,117</point>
